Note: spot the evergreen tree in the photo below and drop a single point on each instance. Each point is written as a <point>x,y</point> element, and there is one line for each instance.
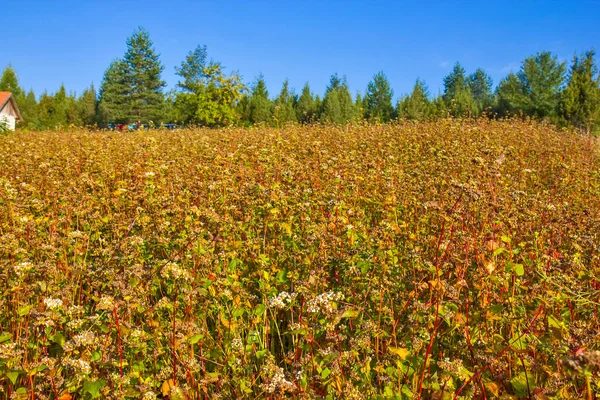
<point>337,106</point>
<point>510,97</point>
<point>142,72</point>
<point>192,69</point>
<point>29,111</point>
<point>378,99</point>
<point>541,78</point>
<point>305,106</point>
<point>480,85</point>
<point>359,104</point>
<point>580,103</point>
<point>113,105</point>
<point>454,83</point>
<point>284,105</point>
<point>87,105</point>
<point>9,82</point>
<point>438,108</point>
<point>457,94</point>
<point>417,105</point>
<point>260,105</point>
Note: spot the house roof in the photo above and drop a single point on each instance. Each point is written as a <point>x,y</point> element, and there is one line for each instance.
<point>5,98</point>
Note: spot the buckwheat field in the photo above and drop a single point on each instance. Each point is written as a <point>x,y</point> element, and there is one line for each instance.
<point>455,259</point>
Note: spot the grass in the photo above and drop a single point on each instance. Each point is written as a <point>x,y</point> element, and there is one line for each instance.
<point>455,259</point>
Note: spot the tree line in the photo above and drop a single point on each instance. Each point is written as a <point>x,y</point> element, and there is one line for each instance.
<point>132,91</point>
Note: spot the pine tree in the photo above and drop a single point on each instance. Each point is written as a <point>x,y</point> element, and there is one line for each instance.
<point>9,82</point>
<point>284,105</point>
<point>29,111</point>
<point>192,69</point>
<point>454,83</point>
<point>510,98</point>
<point>305,106</point>
<point>87,105</point>
<point>337,106</point>
<point>417,105</point>
<point>260,105</point>
<point>359,104</point>
<point>580,103</point>
<point>541,78</point>
<point>142,69</point>
<point>480,85</point>
<point>113,105</point>
<point>378,99</point>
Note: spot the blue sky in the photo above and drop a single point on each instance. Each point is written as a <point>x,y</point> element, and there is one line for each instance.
<point>73,42</point>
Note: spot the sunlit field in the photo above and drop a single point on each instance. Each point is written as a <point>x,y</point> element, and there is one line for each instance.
<point>455,259</point>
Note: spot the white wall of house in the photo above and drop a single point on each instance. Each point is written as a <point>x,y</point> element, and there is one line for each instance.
<point>8,115</point>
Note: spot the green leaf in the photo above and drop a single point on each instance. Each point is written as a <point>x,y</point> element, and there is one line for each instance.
<point>5,337</point>
<point>260,309</point>
<point>96,356</point>
<point>499,250</point>
<point>325,373</point>
<point>24,310</point>
<point>350,314</point>
<point>506,239</point>
<point>93,387</point>
<point>196,338</point>
<point>521,382</point>
<point>260,355</point>
<point>59,339</point>
<point>519,269</point>
<point>13,376</point>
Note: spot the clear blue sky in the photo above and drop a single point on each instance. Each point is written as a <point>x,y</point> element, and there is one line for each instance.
<point>72,42</point>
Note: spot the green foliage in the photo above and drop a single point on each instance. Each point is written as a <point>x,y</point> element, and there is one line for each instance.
<point>192,70</point>
<point>113,105</point>
<point>378,99</point>
<point>338,106</point>
<point>260,108</point>
<point>207,97</point>
<point>417,105</point>
<point>480,85</point>
<point>306,107</point>
<point>541,78</point>
<point>510,96</point>
<point>88,106</point>
<point>283,110</point>
<point>9,82</point>
<point>142,78</point>
<point>457,93</point>
<point>580,100</point>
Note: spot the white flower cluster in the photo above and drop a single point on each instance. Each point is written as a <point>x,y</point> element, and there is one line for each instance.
<point>79,365</point>
<point>23,268</point>
<point>237,345</point>
<point>281,300</point>
<point>172,270</point>
<point>84,339</point>
<point>324,302</point>
<point>105,303</point>
<point>53,303</point>
<point>149,396</point>
<point>149,174</point>
<point>275,380</point>
<point>76,235</point>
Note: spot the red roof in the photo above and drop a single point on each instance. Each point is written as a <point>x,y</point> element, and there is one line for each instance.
<point>5,97</point>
